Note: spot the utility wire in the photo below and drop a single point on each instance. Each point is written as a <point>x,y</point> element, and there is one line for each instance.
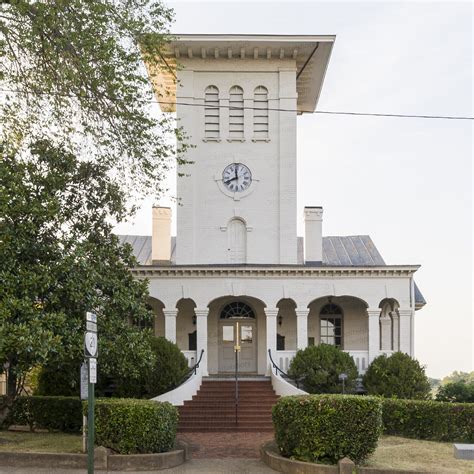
<point>273,109</point>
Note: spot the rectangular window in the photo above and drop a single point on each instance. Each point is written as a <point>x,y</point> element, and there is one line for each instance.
<point>331,330</point>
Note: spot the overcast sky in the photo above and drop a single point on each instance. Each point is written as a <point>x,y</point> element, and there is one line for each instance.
<point>405,182</point>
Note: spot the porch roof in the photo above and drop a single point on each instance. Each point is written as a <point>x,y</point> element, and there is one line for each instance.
<point>338,251</point>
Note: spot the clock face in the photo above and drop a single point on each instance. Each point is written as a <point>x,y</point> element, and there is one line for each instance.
<point>236,177</point>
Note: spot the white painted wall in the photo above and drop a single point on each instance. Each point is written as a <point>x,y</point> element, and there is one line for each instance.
<point>268,209</point>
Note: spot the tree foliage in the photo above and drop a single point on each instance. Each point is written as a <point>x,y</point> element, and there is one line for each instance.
<point>72,71</point>
<point>59,260</point>
<point>460,376</point>
<point>456,392</point>
<point>319,368</point>
<point>397,376</point>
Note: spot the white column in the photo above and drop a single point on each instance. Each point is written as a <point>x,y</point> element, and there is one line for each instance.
<point>201,338</point>
<point>374,333</point>
<point>271,315</point>
<point>385,333</point>
<point>170,324</point>
<point>405,316</point>
<point>395,331</point>
<point>301,328</point>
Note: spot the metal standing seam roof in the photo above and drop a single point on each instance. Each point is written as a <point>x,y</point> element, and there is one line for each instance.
<point>346,251</point>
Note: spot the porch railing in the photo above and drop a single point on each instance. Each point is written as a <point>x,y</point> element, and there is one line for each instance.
<point>190,356</point>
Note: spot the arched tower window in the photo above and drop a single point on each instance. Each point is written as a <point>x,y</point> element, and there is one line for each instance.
<point>330,318</point>
<point>237,241</point>
<point>236,113</point>
<point>237,309</point>
<point>260,113</point>
<point>211,111</point>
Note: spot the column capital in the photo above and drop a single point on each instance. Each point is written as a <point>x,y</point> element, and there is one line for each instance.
<point>373,312</point>
<point>170,312</point>
<point>405,311</point>
<point>302,312</point>
<point>271,312</point>
<point>201,311</point>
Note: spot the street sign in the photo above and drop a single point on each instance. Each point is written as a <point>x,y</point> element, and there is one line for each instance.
<point>84,380</point>
<point>90,344</point>
<point>92,370</point>
<point>90,326</point>
<point>91,317</point>
<point>342,376</point>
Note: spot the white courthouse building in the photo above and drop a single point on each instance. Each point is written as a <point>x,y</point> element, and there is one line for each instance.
<point>237,257</point>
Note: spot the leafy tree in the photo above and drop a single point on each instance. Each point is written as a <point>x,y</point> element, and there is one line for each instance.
<point>319,368</point>
<point>457,392</point>
<point>73,71</point>
<point>397,376</point>
<point>458,377</point>
<point>60,259</point>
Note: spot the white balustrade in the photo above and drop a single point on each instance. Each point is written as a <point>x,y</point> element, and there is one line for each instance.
<point>191,357</point>
<point>283,359</point>
<point>361,359</point>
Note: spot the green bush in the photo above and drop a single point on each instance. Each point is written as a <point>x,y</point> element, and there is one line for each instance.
<point>51,413</point>
<point>457,392</point>
<point>397,376</point>
<point>319,367</point>
<point>131,426</point>
<point>168,371</point>
<point>327,428</point>
<point>60,379</point>
<point>431,420</point>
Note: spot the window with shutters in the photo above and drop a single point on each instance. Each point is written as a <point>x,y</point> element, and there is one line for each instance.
<point>236,113</point>
<point>260,113</point>
<point>237,241</point>
<point>211,111</point>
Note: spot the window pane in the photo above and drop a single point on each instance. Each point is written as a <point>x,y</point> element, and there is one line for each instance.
<point>228,333</point>
<point>246,334</point>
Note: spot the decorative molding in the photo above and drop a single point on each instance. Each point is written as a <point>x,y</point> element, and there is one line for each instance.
<point>296,271</point>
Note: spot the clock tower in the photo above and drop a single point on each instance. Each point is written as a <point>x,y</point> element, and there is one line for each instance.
<point>237,98</point>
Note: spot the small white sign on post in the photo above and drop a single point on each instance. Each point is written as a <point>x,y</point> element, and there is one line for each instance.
<point>90,326</point>
<point>92,317</point>
<point>92,370</point>
<point>90,344</point>
<point>84,381</point>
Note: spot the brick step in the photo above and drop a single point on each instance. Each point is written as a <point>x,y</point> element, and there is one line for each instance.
<point>229,403</point>
<point>234,429</point>
<point>210,412</point>
<point>244,400</point>
<point>229,424</point>
<point>225,417</point>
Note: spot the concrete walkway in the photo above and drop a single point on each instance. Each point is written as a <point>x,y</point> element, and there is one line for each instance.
<point>209,466</point>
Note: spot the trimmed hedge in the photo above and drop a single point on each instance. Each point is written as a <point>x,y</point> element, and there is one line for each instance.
<point>130,426</point>
<point>51,413</point>
<point>431,420</point>
<point>327,428</point>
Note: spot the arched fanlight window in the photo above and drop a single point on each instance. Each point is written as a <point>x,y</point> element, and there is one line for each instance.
<point>330,318</point>
<point>260,113</point>
<point>237,309</point>
<point>236,113</point>
<point>211,112</point>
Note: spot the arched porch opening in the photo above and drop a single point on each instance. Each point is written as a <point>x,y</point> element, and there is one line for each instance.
<point>186,333</point>
<point>157,307</point>
<point>389,325</point>
<point>286,325</point>
<point>341,321</point>
<point>236,320</point>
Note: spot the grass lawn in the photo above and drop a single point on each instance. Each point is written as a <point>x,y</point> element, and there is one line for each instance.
<point>19,441</point>
<point>430,456</point>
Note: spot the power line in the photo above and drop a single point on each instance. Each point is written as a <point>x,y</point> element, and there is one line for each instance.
<point>272,109</point>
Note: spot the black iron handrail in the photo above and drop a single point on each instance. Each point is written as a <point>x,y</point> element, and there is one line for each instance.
<point>191,371</point>
<point>284,374</point>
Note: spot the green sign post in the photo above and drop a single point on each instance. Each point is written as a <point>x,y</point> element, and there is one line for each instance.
<point>90,352</point>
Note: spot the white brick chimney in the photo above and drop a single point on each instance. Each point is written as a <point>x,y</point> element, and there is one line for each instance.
<point>313,238</point>
<point>161,236</point>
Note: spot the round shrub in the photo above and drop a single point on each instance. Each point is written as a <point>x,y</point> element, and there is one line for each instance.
<point>131,426</point>
<point>397,376</point>
<point>327,428</point>
<point>168,370</point>
<point>319,368</point>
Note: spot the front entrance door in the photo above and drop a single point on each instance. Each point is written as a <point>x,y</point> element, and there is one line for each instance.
<point>243,332</point>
